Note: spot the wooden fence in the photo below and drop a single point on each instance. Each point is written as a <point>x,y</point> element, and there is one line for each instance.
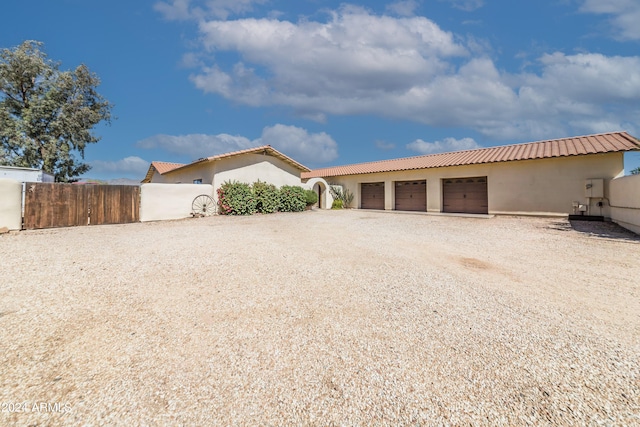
<point>48,205</point>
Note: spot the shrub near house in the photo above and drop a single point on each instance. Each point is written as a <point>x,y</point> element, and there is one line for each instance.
<point>292,199</point>
<point>267,198</point>
<point>236,198</point>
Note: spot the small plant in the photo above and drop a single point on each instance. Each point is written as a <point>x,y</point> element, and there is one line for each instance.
<point>337,204</point>
<point>635,171</point>
<point>236,198</point>
<point>267,197</point>
<point>292,199</point>
<point>311,197</point>
<point>344,195</point>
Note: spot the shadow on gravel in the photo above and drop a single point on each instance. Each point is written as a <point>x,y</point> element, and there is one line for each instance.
<point>602,229</point>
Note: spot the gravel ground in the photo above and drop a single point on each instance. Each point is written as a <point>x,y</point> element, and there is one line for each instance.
<point>321,318</point>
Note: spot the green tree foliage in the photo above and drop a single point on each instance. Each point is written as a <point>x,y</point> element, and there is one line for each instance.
<point>635,171</point>
<point>47,115</point>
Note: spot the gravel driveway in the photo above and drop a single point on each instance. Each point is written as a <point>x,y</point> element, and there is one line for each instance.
<point>321,318</point>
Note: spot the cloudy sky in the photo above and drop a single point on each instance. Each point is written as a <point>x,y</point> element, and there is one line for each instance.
<point>330,82</point>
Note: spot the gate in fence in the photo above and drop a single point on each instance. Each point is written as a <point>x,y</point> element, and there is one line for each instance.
<point>48,205</point>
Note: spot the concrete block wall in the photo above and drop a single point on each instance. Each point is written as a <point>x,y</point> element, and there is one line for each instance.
<point>625,202</point>
<point>10,204</point>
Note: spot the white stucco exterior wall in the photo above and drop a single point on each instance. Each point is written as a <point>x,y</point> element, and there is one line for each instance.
<point>527,187</point>
<point>325,198</point>
<point>169,201</point>
<point>625,202</point>
<point>203,171</point>
<point>250,168</point>
<point>247,168</point>
<point>10,204</point>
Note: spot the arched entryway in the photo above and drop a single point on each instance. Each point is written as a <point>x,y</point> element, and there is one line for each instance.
<point>317,188</point>
<point>321,188</point>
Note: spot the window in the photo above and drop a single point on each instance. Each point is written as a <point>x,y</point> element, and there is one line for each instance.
<point>197,181</point>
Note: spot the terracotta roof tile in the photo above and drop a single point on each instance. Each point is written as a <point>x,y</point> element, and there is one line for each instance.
<point>589,144</point>
<point>266,149</point>
<point>164,167</point>
<point>160,167</point>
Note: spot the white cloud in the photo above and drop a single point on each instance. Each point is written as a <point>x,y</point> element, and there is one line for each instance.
<point>175,10</point>
<point>197,145</point>
<point>128,166</point>
<point>403,7</point>
<point>291,140</point>
<point>446,145</point>
<point>466,5</point>
<point>180,10</point>
<point>592,78</point>
<point>309,64</point>
<point>625,15</point>
<point>383,145</point>
<point>409,69</point>
<point>299,144</point>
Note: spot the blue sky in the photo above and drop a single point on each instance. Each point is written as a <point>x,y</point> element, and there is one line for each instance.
<point>331,83</point>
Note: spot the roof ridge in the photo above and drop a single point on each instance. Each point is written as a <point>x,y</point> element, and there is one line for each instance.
<point>549,148</point>
<point>495,147</point>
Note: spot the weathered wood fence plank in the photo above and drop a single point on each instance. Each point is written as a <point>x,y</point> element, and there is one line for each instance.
<point>48,205</point>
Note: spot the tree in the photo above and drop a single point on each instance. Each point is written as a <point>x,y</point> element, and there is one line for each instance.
<point>47,115</point>
<point>635,171</point>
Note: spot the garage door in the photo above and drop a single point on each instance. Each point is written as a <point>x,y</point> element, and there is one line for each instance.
<point>372,195</point>
<point>465,195</point>
<point>411,196</point>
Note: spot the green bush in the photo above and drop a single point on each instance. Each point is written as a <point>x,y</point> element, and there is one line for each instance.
<point>236,198</point>
<point>337,204</point>
<point>267,197</point>
<point>292,199</point>
<point>311,197</point>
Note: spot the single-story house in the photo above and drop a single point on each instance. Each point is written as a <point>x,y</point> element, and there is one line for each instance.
<point>263,163</point>
<point>560,176</point>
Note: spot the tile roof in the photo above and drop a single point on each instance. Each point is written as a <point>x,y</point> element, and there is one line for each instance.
<point>264,149</point>
<point>574,146</point>
<point>160,167</point>
<point>166,167</point>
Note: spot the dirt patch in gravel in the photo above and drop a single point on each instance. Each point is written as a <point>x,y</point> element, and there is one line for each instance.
<point>320,318</point>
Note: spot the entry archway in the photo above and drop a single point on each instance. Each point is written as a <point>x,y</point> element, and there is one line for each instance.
<point>321,188</point>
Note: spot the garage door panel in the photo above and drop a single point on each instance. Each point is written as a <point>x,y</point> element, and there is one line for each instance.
<point>465,195</point>
<point>372,195</point>
<point>411,195</point>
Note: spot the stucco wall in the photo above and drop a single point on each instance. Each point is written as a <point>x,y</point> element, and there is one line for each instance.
<point>169,201</point>
<point>320,187</point>
<point>203,171</point>
<point>249,168</point>
<point>246,168</point>
<point>539,187</point>
<point>10,204</point>
<point>625,202</point>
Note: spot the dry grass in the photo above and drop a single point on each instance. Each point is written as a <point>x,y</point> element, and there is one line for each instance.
<point>321,318</point>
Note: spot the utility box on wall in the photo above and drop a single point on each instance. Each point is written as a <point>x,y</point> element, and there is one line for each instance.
<point>594,188</point>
